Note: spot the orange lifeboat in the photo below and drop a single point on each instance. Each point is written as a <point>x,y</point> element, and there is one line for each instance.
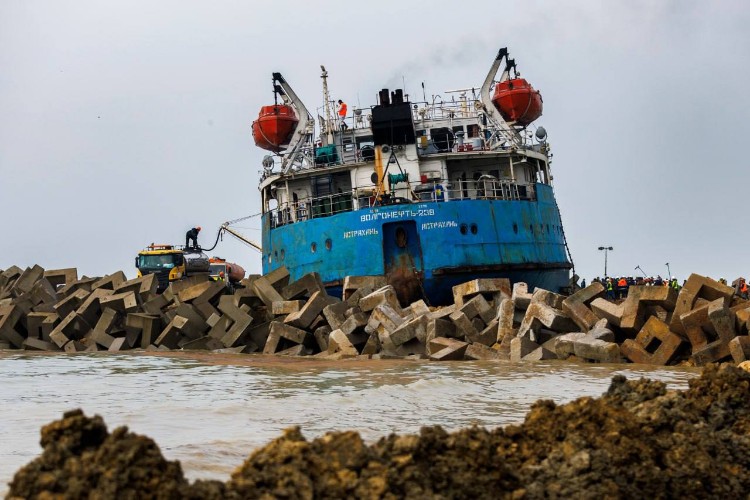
<point>517,101</point>
<point>274,126</point>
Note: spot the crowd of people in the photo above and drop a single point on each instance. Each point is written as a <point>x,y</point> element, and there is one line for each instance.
<point>617,287</point>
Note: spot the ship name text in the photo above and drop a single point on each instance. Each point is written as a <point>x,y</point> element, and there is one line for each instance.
<point>422,212</point>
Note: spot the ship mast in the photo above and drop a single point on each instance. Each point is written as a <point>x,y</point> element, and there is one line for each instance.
<point>327,100</point>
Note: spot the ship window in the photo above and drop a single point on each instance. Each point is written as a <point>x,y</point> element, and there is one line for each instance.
<point>329,244</point>
<point>515,228</point>
<point>473,130</point>
<point>463,228</point>
<point>531,228</point>
<point>474,229</point>
<point>269,258</point>
<point>547,228</point>
<point>313,247</point>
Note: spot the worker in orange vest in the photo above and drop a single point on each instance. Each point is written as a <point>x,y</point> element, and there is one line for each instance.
<point>622,285</point>
<point>742,288</point>
<point>342,114</point>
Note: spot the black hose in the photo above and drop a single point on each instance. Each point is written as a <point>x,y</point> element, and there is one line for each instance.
<point>218,235</point>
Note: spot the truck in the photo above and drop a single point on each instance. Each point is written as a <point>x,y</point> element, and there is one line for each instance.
<point>228,272</point>
<point>171,263</point>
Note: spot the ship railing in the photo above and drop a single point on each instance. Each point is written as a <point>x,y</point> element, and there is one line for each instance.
<point>435,190</point>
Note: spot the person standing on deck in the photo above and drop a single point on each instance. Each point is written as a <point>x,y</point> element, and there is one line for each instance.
<point>192,234</point>
<point>342,110</point>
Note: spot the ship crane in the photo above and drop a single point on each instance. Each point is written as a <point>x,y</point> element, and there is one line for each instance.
<point>226,229</point>
<point>486,105</point>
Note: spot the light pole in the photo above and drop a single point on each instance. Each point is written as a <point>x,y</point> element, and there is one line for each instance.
<point>606,249</point>
<point>669,273</point>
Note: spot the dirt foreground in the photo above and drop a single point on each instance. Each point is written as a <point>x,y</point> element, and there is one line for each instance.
<point>637,440</point>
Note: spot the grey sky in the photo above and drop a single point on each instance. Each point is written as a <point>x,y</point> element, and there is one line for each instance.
<point>125,123</point>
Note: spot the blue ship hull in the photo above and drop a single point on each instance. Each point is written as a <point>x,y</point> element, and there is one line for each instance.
<point>428,247</point>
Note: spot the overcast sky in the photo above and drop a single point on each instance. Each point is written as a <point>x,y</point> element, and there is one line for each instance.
<point>125,123</point>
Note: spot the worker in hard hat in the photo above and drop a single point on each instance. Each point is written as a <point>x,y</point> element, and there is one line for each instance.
<point>342,110</point>
<point>673,284</point>
<point>192,235</point>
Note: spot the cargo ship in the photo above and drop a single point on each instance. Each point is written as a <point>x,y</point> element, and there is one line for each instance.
<point>430,193</point>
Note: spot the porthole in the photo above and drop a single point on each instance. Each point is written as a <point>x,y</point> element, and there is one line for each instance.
<point>547,228</point>
<point>313,247</point>
<point>515,228</point>
<point>269,258</point>
<point>531,228</point>
<point>276,254</point>
<point>329,244</point>
<point>283,254</point>
<point>474,229</point>
<point>464,229</point>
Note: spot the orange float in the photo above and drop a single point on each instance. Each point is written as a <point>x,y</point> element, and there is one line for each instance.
<point>274,126</point>
<point>517,101</point>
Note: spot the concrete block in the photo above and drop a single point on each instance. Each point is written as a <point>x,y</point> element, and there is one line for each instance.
<point>191,293</point>
<point>520,347</point>
<point>241,322</point>
<point>258,334</point>
<point>639,297</point>
<point>406,331</point>
<point>697,287</point>
<point>354,323</point>
<point>75,346</point>
<point>101,338</point>
<point>595,349</point>
<point>205,309</point>
<point>171,337</point>
<point>443,312</point>
<point>576,307</point>
<point>304,287</point>
<point>739,348</point>
<point>144,287</point>
<point>491,286</point>
<point>356,296</point>
<point>447,349</point>
<point>147,325</point>
<point>321,335</point>
<point>82,283</point>
<point>386,317</point>
<point>196,323</point>
<point>40,324</point>
<point>266,292</point>
<point>155,305</point>
<point>335,314</point>
<point>109,282</point>
<point>71,303</point>
<point>482,352</point>
<point>464,326</point>
<point>478,306</point>
<point>372,346</point>
<point>551,299</point>
<point>307,314</point>
<point>43,293</point>
<point>539,354</point>
<point>205,343</point>
<point>281,307</point>
<point>296,350</point>
<point>338,342</point>
<point>385,295</point>
<point>91,307</point>
<point>117,345</point>
<point>742,320</point>
<point>505,312</point>
<point>564,345</point>
<point>25,282</point>
<point>655,344</point>
<point>521,297</point>
<point>438,328</point>
<point>58,278</point>
<point>354,283</point>
<point>601,331</point>
<point>607,310</point>
<point>550,318</point>
<point>487,337</point>
<point>34,344</point>
<point>121,302</point>
<point>415,309</point>
<point>290,333</point>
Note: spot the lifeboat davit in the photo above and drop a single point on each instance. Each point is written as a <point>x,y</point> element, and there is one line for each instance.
<point>517,101</point>
<point>274,126</point>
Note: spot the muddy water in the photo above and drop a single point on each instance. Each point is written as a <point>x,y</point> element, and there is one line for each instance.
<point>210,411</point>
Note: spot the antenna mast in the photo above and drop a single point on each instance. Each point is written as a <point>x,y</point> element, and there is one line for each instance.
<point>327,98</point>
